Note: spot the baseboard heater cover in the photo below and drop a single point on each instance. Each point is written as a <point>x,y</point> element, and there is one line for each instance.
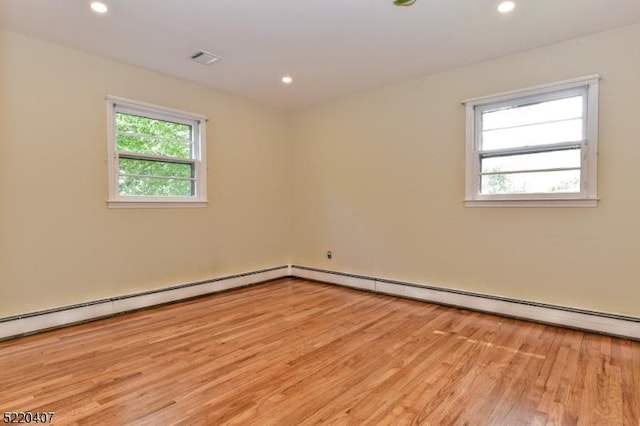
<point>600,322</point>
<point>606,323</point>
<point>58,317</point>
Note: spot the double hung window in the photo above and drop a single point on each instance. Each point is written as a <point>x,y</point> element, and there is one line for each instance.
<point>156,156</point>
<point>534,147</point>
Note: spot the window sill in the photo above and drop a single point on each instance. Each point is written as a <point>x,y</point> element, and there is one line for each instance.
<point>156,204</point>
<point>555,202</point>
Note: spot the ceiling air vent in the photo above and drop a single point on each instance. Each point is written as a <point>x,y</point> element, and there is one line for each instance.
<point>205,58</point>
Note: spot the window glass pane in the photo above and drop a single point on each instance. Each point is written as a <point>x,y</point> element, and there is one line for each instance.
<point>129,166</point>
<point>531,183</point>
<point>127,123</point>
<point>537,161</point>
<point>150,136</point>
<point>532,135</point>
<point>142,145</point>
<point>155,187</point>
<point>561,109</point>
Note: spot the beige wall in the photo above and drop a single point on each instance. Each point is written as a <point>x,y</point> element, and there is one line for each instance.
<point>60,244</point>
<point>379,179</point>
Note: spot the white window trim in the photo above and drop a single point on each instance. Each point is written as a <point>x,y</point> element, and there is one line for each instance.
<point>588,196</point>
<point>154,111</point>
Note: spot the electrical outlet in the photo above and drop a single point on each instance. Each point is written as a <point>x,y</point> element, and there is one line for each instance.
<point>329,255</point>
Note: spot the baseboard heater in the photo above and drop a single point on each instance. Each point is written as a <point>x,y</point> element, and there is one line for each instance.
<point>600,322</point>
<point>20,325</point>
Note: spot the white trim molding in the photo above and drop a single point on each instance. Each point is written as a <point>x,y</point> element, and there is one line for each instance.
<point>540,88</point>
<point>592,321</point>
<point>156,204</point>
<point>557,202</point>
<point>67,315</point>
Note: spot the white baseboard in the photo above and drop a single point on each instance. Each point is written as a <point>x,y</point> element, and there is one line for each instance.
<point>333,278</point>
<point>58,317</point>
<point>600,322</point>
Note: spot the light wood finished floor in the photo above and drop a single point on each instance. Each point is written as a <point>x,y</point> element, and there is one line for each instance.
<point>294,352</point>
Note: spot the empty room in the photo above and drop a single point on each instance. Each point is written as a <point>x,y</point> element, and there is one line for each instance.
<point>319,212</point>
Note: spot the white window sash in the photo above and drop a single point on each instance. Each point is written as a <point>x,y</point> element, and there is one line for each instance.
<point>585,86</point>
<point>198,154</point>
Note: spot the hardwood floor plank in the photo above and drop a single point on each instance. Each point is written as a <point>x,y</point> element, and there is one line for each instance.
<point>304,353</point>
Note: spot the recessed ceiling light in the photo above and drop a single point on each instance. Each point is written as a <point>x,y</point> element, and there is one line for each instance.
<point>287,79</point>
<point>99,7</point>
<point>506,6</point>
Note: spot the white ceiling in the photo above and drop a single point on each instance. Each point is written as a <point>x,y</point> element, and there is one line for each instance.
<point>330,47</point>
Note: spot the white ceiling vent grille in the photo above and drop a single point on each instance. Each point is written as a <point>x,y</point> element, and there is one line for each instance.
<point>205,58</point>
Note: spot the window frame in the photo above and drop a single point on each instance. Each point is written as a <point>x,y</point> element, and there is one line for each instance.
<point>117,104</point>
<point>587,197</point>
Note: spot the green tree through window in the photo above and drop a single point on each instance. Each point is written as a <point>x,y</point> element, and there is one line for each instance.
<point>155,157</point>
